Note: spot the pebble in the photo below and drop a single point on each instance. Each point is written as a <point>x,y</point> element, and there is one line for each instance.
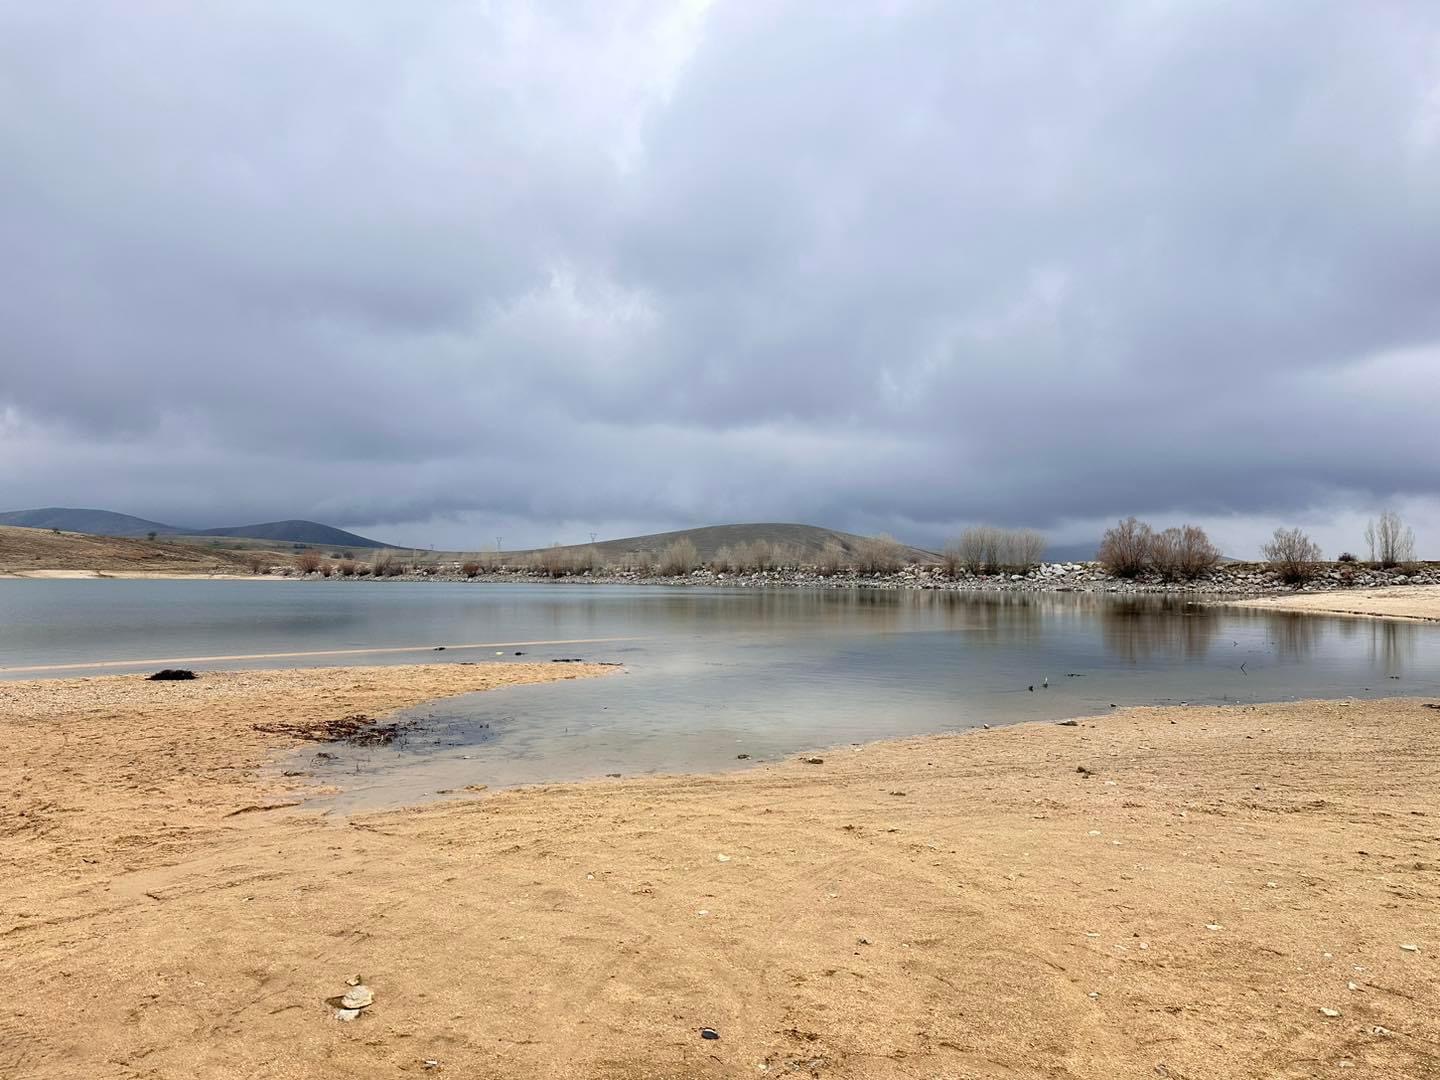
<point>1410,948</point>
<point>1213,926</point>
<point>345,1016</point>
<point>1330,1012</point>
<point>722,858</point>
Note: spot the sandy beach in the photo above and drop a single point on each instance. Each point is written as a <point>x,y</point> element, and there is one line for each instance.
<point>1156,892</point>
<point>1397,602</point>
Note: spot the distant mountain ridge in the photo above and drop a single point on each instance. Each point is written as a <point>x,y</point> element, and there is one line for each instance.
<point>109,523</point>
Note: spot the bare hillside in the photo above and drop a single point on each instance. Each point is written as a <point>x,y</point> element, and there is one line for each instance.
<point>709,539</point>
<point>28,550</point>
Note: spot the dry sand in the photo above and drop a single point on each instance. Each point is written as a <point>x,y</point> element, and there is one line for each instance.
<point>952,906</point>
<point>1397,602</point>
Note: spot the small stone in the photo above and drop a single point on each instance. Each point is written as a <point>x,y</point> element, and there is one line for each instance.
<point>1410,948</point>
<point>1352,987</point>
<point>1213,926</point>
<point>808,761</point>
<point>1330,1012</point>
<point>359,997</point>
<point>354,980</point>
<point>431,1063</point>
<point>345,1016</point>
<point>1381,1031</point>
<point>709,1033</point>
<point>722,858</point>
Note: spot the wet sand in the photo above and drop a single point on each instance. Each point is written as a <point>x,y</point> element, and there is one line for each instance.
<point>1396,602</point>
<point>951,906</point>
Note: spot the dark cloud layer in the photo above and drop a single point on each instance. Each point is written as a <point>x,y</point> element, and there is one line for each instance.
<point>453,271</point>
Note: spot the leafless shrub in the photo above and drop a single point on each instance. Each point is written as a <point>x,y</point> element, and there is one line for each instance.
<point>1022,549</point>
<point>831,561</point>
<point>396,569</point>
<point>346,567</point>
<point>1126,549</point>
<point>1294,556</point>
<point>638,562</point>
<point>974,549</point>
<point>986,549</point>
<point>951,560</point>
<point>678,558</point>
<point>307,562</point>
<point>1391,541</point>
<point>470,568</point>
<point>257,564</point>
<point>550,562</point>
<point>789,556</point>
<point>362,570</point>
<point>381,566</point>
<point>1183,554</point>
<point>557,561</point>
<point>879,555</point>
<point>326,568</point>
<point>723,561</point>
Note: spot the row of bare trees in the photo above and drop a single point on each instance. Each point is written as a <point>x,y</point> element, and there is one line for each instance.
<point>1391,541</point>
<point>986,549</point>
<point>1132,548</point>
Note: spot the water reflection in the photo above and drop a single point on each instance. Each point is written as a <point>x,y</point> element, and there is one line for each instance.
<point>1139,629</point>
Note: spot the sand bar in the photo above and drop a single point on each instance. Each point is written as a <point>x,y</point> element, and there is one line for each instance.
<point>1421,602</point>
<point>958,906</point>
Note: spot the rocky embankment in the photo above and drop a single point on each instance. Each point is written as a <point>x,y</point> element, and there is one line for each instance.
<point>1230,579</point>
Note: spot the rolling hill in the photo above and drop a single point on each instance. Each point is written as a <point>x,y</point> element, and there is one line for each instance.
<point>95,522</point>
<point>25,550</point>
<point>709,539</point>
<point>295,531</point>
<point>109,523</point>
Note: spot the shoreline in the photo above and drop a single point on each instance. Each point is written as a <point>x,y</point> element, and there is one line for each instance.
<point>1154,888</point>
<point>1413,603</point>
<point>1231,583</point>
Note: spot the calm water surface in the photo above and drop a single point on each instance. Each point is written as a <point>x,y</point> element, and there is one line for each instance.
<point>709,673</point>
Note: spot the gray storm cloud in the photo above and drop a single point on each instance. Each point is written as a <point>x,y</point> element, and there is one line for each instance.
<point>450,270</point>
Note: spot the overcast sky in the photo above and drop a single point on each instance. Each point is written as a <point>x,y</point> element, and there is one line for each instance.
<point>440,272</point>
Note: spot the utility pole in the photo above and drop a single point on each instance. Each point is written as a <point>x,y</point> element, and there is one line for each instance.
<point>497,545</point>
<point>592,537</point>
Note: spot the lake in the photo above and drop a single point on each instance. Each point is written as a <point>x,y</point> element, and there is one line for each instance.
<point>709,673</point>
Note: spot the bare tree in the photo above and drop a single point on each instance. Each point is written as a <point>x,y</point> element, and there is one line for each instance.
<point>1391,541</point>
<point>990,550</point>
<point>832,560</point>
<point>1294,556</point>
<point>879,555</point>
<point>1127,548</point>
<point>1183,554</point>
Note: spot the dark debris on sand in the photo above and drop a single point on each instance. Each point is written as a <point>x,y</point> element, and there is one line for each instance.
<point>357,729</point>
